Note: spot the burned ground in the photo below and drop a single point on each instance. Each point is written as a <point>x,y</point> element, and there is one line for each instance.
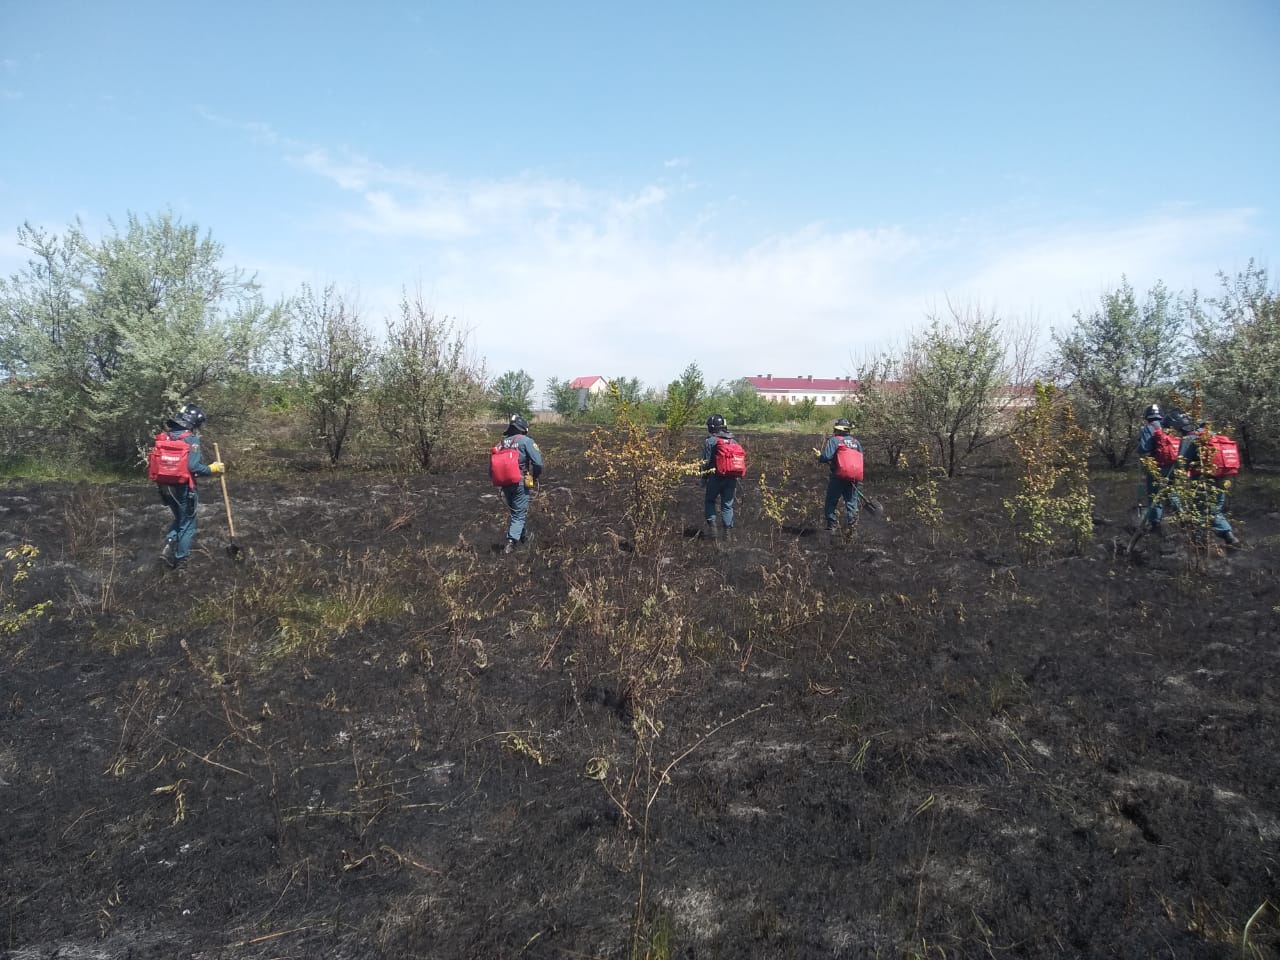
<point>376,736</point>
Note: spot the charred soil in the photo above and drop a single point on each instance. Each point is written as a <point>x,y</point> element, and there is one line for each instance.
<point>376,736</point>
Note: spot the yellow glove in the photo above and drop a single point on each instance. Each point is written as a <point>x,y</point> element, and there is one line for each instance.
<point>817,452</point>
<point>528,481</point>
<point>217,467</point>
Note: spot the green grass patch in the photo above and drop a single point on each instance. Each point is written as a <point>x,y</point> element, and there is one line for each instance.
<point>307,624</point>
<point>263,628</point>
<point>122,637</point>
<point>53,469</point>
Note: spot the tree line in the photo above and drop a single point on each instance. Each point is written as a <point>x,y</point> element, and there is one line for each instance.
<point>99,337</point>
<point>957,384</point>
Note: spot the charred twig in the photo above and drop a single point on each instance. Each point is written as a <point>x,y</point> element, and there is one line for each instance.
<point>278,934</point>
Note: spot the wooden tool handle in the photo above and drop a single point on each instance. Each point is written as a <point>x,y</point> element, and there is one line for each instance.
<point>231,527</point>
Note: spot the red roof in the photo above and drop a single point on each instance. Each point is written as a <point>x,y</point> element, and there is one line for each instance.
<point>807,384</point>
<point>584,383</point>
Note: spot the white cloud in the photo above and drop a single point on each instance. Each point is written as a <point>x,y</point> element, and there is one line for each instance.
<point>1064,269</point>
<point>802,302</point>
<point>400,202</point>
<point>609,298</point>
<point>385,216</point>
<point>351,175</point>
<point>562,279</point>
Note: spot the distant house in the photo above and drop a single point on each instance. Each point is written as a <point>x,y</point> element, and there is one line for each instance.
<point>588,387</point>
<point>832,391</point>
<point>821,390</point>
<point>1016,397</point>
<point>592,385</point>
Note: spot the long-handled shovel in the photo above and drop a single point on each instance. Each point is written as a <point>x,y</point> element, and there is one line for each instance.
<point>233,548</point>
<point>870,504</point>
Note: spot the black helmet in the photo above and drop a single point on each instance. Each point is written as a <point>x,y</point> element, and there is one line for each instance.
<point>1181,422</point>
<point>843,426</point>
<point>518,424</point>
<point>1152,413</point>
<point>189,417</point>
<point>715,422</point>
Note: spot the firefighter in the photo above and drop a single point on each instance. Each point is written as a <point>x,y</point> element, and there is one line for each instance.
<point>1211,493</point>
<point>517,494</point>
<point>181,497</point>
<point>1153,420</point>
<point>846,474</point>
<point>719,485</point>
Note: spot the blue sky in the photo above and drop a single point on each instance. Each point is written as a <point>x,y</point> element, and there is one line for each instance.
<point>598,189</point>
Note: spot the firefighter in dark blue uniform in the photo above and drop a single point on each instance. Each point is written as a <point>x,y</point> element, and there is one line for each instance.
<point>1211,495</point>
<point>182,499</point>
<point>724,489</point>
<point>838,488</point>
<point>517,494</point>
<point>1154,419</point>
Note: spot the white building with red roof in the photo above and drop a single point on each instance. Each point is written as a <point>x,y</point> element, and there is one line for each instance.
<point>821,390</point>
<point>592,385</point>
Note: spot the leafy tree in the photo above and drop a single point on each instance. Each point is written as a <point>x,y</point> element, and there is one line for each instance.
<point>1053,503</point>
<point>682,400</point>
<point>119,331</point>
<point>625,390</point>
<point>1237,347</point>
<point>564,399</point>
<point>960,382</point>
<point>334,359</point>
<point>1117,359</point>
<point>804,410</point>
<point>18,435</point>
<point>879,409</point>
<point>640,469</point>
<point>428,384</point>
<point>741,404</point>
<point>513,393</point>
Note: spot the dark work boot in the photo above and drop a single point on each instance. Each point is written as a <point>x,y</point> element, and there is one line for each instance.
<point>709,531</point>
<point>167,553</point>
<point>510,547</point>
<point>1231,540</point>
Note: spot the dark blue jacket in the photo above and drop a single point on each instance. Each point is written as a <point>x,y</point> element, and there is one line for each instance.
<point>1147,438</point>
